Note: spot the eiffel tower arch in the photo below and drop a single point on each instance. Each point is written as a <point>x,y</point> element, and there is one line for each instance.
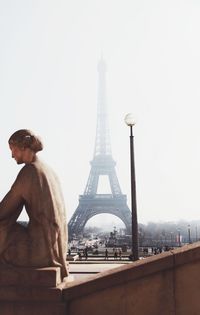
<point>92,203</point>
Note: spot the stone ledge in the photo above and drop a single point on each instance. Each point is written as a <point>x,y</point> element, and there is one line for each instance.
<point>136,270</point>
<point>119,276</point>
<point>20,293</point>
<point>21,276</point>
<point>31,308</point>
<point>31,284</point>
<point>186,254</point>
<point>33,291</point>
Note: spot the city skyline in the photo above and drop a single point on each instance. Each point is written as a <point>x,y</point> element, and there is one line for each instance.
<point>48,78</point>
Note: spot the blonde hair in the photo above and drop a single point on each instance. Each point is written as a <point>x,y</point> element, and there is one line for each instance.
<point>25,138</point>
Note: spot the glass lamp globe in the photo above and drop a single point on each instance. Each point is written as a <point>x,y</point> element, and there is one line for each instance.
<point>129,119</point>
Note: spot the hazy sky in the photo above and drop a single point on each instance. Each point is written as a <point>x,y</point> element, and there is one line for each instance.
<point>48,83</point>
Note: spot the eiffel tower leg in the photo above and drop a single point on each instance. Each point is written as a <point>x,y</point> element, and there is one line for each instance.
<point>89,207</point>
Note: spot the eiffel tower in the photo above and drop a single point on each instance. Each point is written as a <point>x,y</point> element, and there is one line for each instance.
<point>91,203</point>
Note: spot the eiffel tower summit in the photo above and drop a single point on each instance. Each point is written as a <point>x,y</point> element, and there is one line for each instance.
<point>92,203</point>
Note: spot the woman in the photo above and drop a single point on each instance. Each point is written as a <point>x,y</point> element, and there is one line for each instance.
<point>43,242</point>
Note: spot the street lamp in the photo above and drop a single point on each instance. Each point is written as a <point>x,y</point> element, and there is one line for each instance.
<point>171,233</point>
<point>189,237</point>
<point>135,256</point>
<point>196,233</point>
<point>179,237</point>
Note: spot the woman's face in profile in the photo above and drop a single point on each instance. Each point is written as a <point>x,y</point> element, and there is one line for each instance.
<point>17,153</point>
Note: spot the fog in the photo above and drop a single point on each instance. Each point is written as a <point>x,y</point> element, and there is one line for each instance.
<point>48,80</point>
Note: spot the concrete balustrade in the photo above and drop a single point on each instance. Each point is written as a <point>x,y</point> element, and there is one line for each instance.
<point>31,291</point>
<point>165,284</point>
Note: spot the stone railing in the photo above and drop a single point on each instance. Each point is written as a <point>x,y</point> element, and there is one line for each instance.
<point>164,284</point>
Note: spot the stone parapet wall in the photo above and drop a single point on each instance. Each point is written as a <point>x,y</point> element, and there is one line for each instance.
<point>165,284</point>
<point>31,291</point>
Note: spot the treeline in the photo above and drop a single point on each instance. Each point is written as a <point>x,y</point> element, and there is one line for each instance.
<point>172,233</point>
<point>158,233</point>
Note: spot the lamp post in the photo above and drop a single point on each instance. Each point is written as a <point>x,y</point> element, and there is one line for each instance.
<point>196,233</point>
<point>171,234</point>
<point>189,237</point>
<point>135,255</point>
<point>179,237</point>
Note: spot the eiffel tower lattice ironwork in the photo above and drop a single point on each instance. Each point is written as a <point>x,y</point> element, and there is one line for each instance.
<point>91,203</point>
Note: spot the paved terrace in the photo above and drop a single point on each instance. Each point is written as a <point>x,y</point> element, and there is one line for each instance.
<point>83,269</point>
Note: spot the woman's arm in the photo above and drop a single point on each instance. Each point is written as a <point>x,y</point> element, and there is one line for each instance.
<point>13,202</point>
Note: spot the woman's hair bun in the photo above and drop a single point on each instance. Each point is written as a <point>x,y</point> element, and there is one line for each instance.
<point>25,138</point>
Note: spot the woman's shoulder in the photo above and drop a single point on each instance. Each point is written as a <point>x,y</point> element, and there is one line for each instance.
<point>29,169</point>
<point>37,169</point>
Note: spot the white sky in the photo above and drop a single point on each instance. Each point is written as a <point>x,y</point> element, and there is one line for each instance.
<point>48,83</point>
